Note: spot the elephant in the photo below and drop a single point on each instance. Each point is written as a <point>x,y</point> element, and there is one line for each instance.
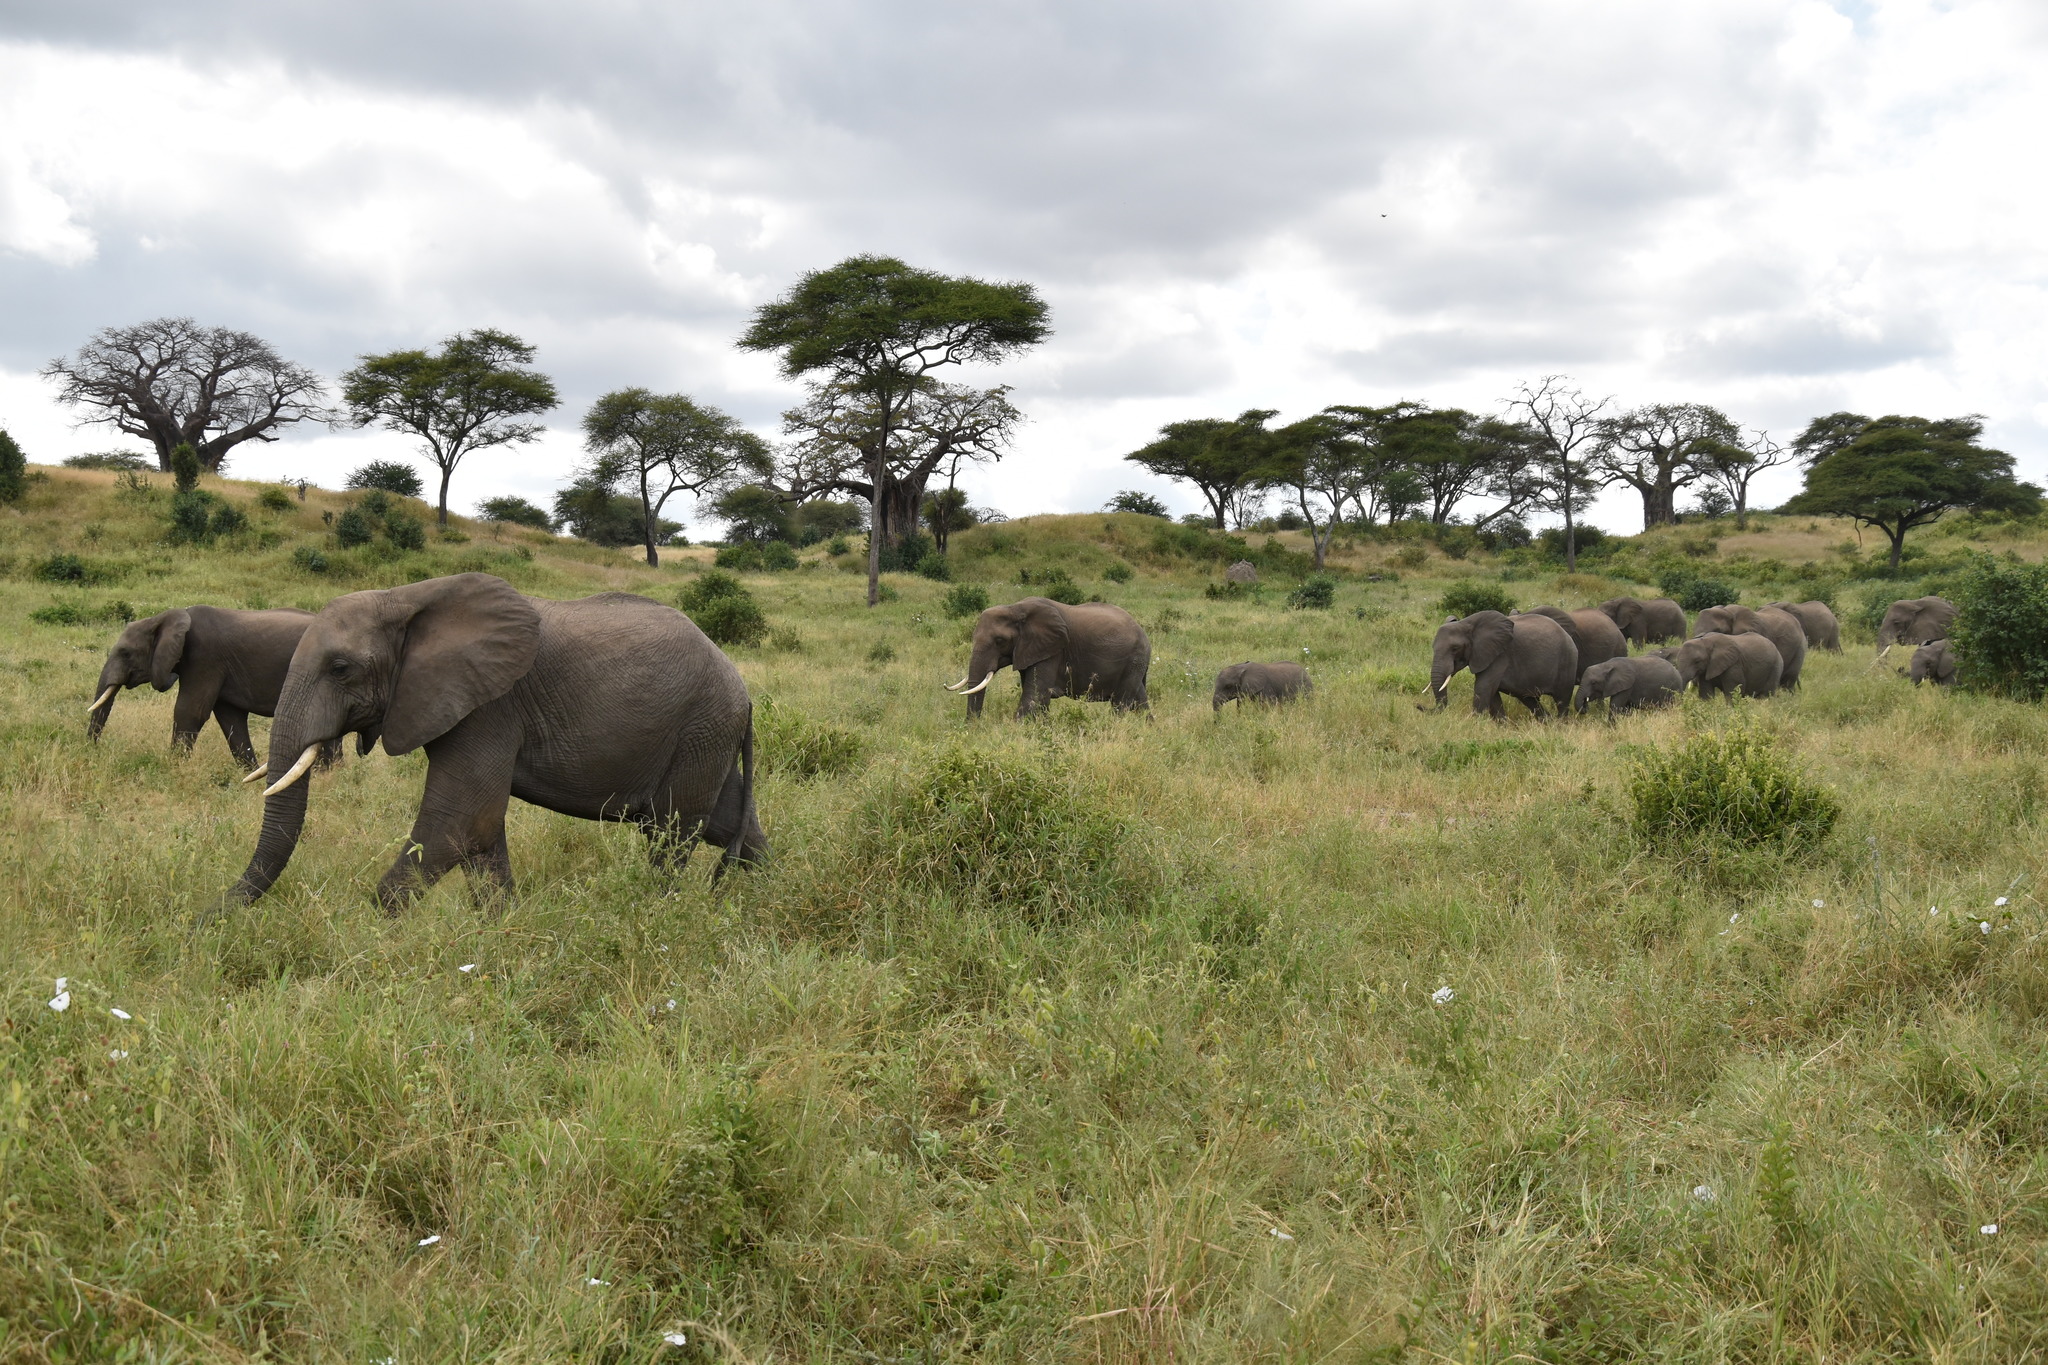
<point>1593,633</point>
<point>1646,622</point>
<point>1527,657</point>
<point>1726,664</point>
<point>228,663</point>
<point>1095,652</point>
<point>1271,683</point>
<point>1934,662</point>
<point>609,707</point>
<point>1823,631</point>
<point>1915,621</point>
<point>1627,683</point>
<point>1781,628</point>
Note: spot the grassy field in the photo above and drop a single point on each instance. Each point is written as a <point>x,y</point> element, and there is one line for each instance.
<point>1095,1038</point>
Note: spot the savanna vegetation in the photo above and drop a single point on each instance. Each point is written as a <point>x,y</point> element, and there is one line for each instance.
<point>1345,1032</point>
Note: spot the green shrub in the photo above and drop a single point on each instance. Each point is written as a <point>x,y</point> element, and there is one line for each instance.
<point>405,530</point>
<point>514,511</point>
<point>745,556</point>
<point>966,599</point>
<point>376,504</point>
<point>732,621</point>
<point>2000,634</point>
<point>228,519</point>
<point>1053,583</point>
<point>707,588</point>
<point>778,555</point>
<point>353,528</point>
<point>1730,786</point>
<point>390,476</point>
<point>935,567</point>
<point>73,614</point>
<point>791,744</point>
<point>62,568</point>
<point>837,547</point>
<point>1471,595</point>
<point>881,652</point>
<point>1316,593</point>
<point>109,459</point>
<point>1228,589</point>
<point>909,552</point>
<point>1014,833</point>
<point>309,560</point>
<point>1118,572</point>
<point>1700,593</point>
<point>13,469</point>
<point>185,467</point>
<point>274,500</point>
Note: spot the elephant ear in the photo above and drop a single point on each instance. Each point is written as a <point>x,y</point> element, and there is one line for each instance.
<point>467,640</point>
<point>1492,633</point>
<point>1042,635</point>
<point>172,627</point>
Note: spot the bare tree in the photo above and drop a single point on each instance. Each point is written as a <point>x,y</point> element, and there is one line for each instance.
<point>1733,464</point>
<point>173,382</point>
<point>1659,449</point>
<point>1564,424</point>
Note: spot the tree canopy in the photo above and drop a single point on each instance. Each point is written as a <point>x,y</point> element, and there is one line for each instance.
<point>173,382</point>
<point>1660,448</point>
<point>1563,423</point>
<point>469,396</point>
<point>1897,473</point>
<point>1223,458</point>
<point>656,445</point>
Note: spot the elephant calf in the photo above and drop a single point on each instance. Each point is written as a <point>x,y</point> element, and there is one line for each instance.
<point>1781,628</point>
<point>1915,621</point>
<point>1934,662</point>
<point>1626,684</point>
<point>229,664</point>
<point>1270,683</point>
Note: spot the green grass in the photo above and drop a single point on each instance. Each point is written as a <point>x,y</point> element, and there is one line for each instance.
<point>1160,1077</point>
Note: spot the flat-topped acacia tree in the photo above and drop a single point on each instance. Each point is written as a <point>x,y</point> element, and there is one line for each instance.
<point>867,335</point>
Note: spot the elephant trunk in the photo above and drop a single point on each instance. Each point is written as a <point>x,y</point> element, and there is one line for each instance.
<point>284,816</point>
<point>1579,700</point>
<point>1440,671</point>
<point>110,685</point>
<point>981,671</point>
<point>284,806</point>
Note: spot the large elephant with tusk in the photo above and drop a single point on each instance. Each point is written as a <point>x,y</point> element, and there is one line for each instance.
<point>225,663</point>
<point>1094,651</point>
<point>609,708</point>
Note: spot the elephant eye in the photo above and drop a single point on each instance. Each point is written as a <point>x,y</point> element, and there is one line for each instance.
<point>339,667</point>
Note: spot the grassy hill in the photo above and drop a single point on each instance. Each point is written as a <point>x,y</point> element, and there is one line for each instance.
<point>1092,1038</point>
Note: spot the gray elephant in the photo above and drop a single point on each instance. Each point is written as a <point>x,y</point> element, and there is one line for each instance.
<point>1526,657</point>
<point>1823,631</point>
<point>1625,684</point>
<point>1915,621</point>
<point>1934,662</point>
<point>1593,633</point>
<point>607,708</point>
<point>1270,683</point>
<point>1781,628</point>
<point>1095,652</point>
<point>227,664</point>
<point>1721,664</point>
<point>1646,622</point>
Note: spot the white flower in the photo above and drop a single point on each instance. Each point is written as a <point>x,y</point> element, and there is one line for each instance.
<point>670,1005</point>
<point>117,1055</point>
<point>1820,905</point>
<point>61,1001</point>
<point>2000,901</point>
<point>1989,1229</point>
<point>1734,917</point>
<point>467,967</point>
<point>429,1241</point>
<point>1703,1193</point>
<point>593,1282</point>
<point>674,1339</point>
<point>1933,909</point>
<point>1442,995</point>
<point>1283,1236</point>
<point>1983,926</point>
<point>120,1014</point>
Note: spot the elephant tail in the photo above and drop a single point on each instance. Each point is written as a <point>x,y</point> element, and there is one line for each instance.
<point>748,843</point>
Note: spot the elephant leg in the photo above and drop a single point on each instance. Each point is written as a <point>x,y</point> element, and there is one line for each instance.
<point>188,718</point>
<point>670,842</point>
<point>462,814</point>
<point>234,727</point>
<point>1486,701</point>
<point>490,872</point>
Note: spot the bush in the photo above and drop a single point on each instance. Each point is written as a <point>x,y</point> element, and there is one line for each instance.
<point>745,557</point>
<point>1700,593</point>
<point>2000,634</point>
<point>1144,504</point>
<point>791,744</point>
<point>110,459</point>
<point>1731,786</point>
<point>72,614</point>
<point>61,569</point>
<point>707,588</point>
<point>227,520</point>
<point>837,547</point>
<point>906,554</point>
<point>274,500</point>
<point>404,530</point>
<point>1505,535</point>
<point>1316,593</point>
<point>732,621</point>
<point>935,567</point>
<point>881,652</point>
<point>1592,542</point>
<point>516,511</point>
<point>1005,832</point>
<point>966,599</point>
<point>778,555</point>
<point>1470,595</point>
<point>309,560</point>
<point>353,528</point>
<point>1053,583</point>
<point>1118,572</point>
<point>191,517</point>
<point>390,476</point>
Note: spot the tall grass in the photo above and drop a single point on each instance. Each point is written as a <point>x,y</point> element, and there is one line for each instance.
<point>1341,1032</point>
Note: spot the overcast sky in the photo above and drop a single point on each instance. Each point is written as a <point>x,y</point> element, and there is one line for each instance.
<point>1784,207</point>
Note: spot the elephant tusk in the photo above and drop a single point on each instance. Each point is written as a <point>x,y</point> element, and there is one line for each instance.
<point>261,769</point>
<point>298,771</point>
<point>983,683</point>
<point>955,687</point>
<point>101,700</point>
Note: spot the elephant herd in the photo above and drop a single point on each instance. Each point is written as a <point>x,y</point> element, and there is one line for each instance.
<point>615,707</point>
<point>1579,657</point>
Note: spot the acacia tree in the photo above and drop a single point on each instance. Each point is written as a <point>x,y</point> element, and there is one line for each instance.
<point>468,397</point>
<point>868,335</point>
<point>656,445</point>
<point>1222,458</point>
<point>1563,424</point>
<point>1322,467</point>
<point>1660,449</point>
<point>1902,472</point>
<point>1732,464</point>
<point>173,382</point>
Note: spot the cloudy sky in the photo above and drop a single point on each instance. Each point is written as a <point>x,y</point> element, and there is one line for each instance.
<point>1785,207</point>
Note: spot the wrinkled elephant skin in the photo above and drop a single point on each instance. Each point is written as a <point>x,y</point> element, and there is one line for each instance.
<point>1095,652</point>
<point>1627,684</point>
<point>1524,657</point>
<point>1724,665</point>
<point>1781,628</point>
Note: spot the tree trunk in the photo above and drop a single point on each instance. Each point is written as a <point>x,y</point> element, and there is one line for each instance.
<point>877,528</point>
<point>1742,506</point>
<point>649,515</point>
<point>1571,541</point>
<point>447,473</point>
<point>1898,540</point>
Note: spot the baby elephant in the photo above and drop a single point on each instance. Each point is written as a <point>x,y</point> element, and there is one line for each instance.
<point>1272,683</point>
<point>1628,683</point>
<point>1935,663</point>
